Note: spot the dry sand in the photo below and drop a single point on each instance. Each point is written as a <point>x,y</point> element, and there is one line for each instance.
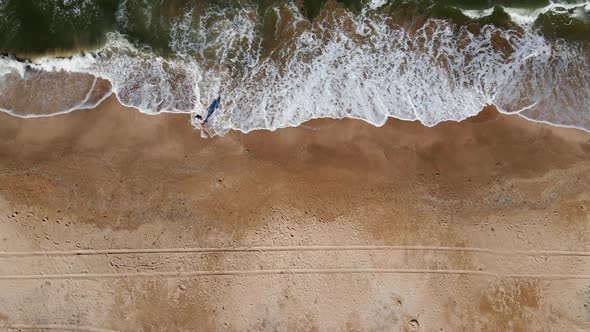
<point>481,225</point>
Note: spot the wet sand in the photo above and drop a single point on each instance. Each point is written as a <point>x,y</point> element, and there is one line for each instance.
<point>481,225</point>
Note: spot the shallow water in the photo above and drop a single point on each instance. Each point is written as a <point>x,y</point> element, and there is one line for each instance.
<point>281,63</point>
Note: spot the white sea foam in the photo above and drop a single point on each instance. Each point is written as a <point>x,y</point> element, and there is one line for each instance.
<point>121,15</point>
<point>376,4</point>
<point>360,67</point>
<point>9,65</point>
<point>527,16</point>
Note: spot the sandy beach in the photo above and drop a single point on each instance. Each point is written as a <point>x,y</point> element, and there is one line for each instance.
<point>113,220</point>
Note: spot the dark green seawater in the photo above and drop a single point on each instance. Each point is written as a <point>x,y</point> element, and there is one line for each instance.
<point>33,27</point>
<point>36,27</point>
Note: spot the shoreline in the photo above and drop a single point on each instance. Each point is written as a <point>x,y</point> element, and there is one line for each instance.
<point>303,124</point>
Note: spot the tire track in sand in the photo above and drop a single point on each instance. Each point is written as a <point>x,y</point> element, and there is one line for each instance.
<point>293,271</point>
<point>89,252</point>
<point>17,327</point>
<point>185,274</point>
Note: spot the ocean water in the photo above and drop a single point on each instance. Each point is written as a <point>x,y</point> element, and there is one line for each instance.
<point>280,63</point>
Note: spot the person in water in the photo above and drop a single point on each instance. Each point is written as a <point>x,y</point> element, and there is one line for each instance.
<point>214,106</point>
